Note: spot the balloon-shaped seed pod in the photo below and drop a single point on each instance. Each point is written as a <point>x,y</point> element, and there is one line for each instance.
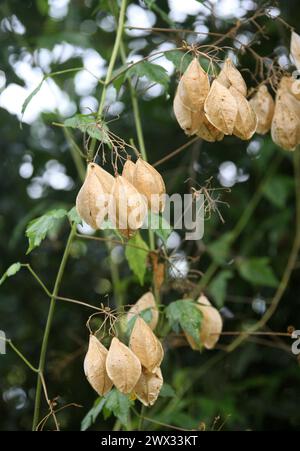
<point>295,49</point>
<point>246,120</point>
<point>263,104</point>
<point>95,367</point>
<point>146,345</point>
<point>221,108</point>
<point>211,325</point>
<point>128,171</point>
<point>231,76</point>
<point>145,302</point>
<point>148,386</point>
<point>123,366</point>
<point>209,132</point>
<point>149,182</point>
<point>190,96</point>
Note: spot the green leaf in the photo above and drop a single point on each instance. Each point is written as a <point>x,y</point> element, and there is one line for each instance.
<point>159,225</point>
<point>119,405</point>
<point>278,190</point>
<point>153,72</point>
<point>145,314</point>
<point>136,253</point>
<point>38,228</point>
<point>184,313</point>
<point>167,391</point>
<point>220,248</point>
<point>257,271</point>
<point>218,286</point>
<point>11,271</point>
<point>30,97</point>
<point>74,216</point>
<point>120,73</point>
<point>88,124</point>
<point>92,414</point>
<point>180,59</point>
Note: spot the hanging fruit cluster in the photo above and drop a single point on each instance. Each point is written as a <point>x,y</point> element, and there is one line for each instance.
<point>212,111</point>
<point>133,369</point>
<point>124,198</point>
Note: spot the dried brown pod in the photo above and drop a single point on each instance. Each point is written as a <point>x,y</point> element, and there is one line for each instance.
<point>211,325</point>
<point>295,49</point>
<point>190,96</point>
<point>209,132</point>
<point>221,108</point>
<point>231,76</point>
<point>295,89</point>
<point>285,128</point>
<point>128,208</point>
<point>91,201</point>
<point>246,120</point>
<point>146,345</point>
<point>263,104</point>
<point>122,366</point>
<point>149,182</point>
<point>148,386</point>
<point>145,302</point>
<point>94,367</point>
<point>128,171</point>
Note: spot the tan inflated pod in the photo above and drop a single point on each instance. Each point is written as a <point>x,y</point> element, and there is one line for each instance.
<point>221,108</point>
<point>295,49</point>
<point>263,104</point>
<point>148,387</point>
<point>147,301</point>
<point>295,89</point>
<point>92,199</point>
<point>190,96</point>
<point>122,366</point>
<point>128,208</point>
<point>246,120</point>
<point>149,182</point>
<point>285,128</point>
<point>209,132</point>
<point>211,325</point>
<point>95,367</point>
<point>146,345</point>
<point>128,171</point>
<point>230,76</point>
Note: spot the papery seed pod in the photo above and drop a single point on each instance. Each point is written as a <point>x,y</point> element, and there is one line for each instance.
<point>128,209</point>
<point>230,76</point>
<point>122,366</point>
<point>190,96</point>
<point>285,128</point>
<point>221,108</point>
<point>211,325</point>
<point>295,89</point>
<point>149,182</point>
<point>128,171</point>
<point>209,132</point>
<point>246,120</point>
<point>146,345</point>
<point>90,201</point>
<point>295,49</point>
<point>147,301</point>
<point>148,386</point>
<point>94,367</point>
<point>263,104</point>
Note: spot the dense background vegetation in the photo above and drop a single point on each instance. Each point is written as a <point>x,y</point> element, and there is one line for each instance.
<point>254,387</point>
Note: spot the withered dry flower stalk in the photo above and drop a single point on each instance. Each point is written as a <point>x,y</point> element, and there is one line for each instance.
<point>211,325</point>
<point>146,302</point>
<point>148,386</point>
<point>89,205</point>
<point>94,367</point>
<point>123,366</point>
<point>263,104</point>
<point>190,96</point>
<point>146,345</point>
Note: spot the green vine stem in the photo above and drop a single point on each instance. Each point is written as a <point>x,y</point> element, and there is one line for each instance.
<point>48,327</point>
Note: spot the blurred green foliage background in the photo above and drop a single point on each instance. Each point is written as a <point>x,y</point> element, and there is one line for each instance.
<point>255,387</point>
